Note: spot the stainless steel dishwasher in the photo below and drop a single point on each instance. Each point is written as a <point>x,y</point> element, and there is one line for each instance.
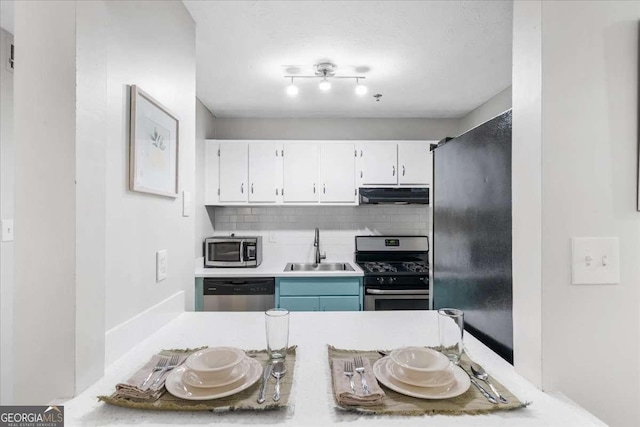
<point>241,294</point>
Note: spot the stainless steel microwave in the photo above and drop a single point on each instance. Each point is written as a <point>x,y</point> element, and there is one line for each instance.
<point>234,251</point>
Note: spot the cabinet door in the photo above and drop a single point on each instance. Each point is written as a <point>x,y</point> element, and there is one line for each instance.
<point>263,165</point>
<point>300,172</point>
<point>337,169</point>
<point>233,171</point>
<point>340,303</point>
<point>379,163</point>
<point>300,303</point>
<point>414,163</point>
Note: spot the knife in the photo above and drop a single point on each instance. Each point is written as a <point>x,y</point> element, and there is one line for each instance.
<point>265,378</point>
<point>482,390</point>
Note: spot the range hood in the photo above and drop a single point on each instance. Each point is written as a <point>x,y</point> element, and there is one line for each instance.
<point>394,196</point>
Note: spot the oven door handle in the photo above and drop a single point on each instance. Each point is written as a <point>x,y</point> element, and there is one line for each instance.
<point>398,292</point>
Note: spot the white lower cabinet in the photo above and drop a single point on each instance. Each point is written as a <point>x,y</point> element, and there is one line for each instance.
<point>337,172</point>
<point>300,172</point>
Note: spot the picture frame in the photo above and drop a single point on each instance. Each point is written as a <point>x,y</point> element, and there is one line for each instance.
<point>154,146</point>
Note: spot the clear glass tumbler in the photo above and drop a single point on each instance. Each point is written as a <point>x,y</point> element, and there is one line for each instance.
<point>451,330</point>
<point>277,325</point>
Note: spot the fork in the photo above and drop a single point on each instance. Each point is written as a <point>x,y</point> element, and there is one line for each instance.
<point>348,371</point>
<point>360,369</point>
<point>160,364</point>
<point>172,364</point>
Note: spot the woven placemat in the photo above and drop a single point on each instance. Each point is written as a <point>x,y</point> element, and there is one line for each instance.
<point>244,401</point>
<point>471,402</point>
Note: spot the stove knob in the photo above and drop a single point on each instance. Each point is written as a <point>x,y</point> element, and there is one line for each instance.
<point>380,280</point>
<point>391,280</point>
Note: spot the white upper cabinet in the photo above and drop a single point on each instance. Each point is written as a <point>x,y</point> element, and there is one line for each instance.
<point>308,172</point>
<point>414,163</point>
<point>337,172</point>
<point>263,172</point>
<point>300,172</point>
<point>378,163</point>
<point>234,171</point>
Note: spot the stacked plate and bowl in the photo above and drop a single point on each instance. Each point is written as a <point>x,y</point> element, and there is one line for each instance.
<point>213,373</point>
<point>421,372</point>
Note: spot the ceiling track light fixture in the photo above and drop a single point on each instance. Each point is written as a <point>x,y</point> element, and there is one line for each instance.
<point>326,71</point>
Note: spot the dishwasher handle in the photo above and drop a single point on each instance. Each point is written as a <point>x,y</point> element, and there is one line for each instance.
<point>258,286</point>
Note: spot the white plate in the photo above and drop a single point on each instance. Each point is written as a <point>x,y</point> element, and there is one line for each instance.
<point>460,384</point>
<point>178,388</point>
<point>192,379</point>
<point>438,379</point>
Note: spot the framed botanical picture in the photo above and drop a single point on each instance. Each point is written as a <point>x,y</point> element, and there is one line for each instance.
<point>154,146</point>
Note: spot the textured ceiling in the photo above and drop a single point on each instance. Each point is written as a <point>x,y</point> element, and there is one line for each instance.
<point>427,58</point>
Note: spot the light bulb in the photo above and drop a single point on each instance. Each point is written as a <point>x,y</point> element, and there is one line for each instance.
<point>361,89</point>
<point>292,90</point>
<point>324,85</point>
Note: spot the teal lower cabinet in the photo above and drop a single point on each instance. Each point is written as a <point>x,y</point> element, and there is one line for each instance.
<point>319,294</point>
<point>300,303</point>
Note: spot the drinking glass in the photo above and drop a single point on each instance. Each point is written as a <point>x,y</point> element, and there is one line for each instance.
<point>277,325</point>
<point>451,329</point>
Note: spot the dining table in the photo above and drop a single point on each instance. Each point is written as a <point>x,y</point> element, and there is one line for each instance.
<point>312,402</point>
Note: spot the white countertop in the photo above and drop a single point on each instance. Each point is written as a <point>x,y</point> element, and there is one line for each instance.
<point>275,269</point>
<point>311,401</point>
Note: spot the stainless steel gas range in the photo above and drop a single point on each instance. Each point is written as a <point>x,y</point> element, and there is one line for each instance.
<point>396,272</point>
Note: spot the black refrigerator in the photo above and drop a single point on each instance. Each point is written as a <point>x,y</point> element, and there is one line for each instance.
<point>471,257</point>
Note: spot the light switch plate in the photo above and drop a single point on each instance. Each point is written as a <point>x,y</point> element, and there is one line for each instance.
<point>7,230</point>
<point>187,204</point>
<point>161,265</point>
<point>595,260</point>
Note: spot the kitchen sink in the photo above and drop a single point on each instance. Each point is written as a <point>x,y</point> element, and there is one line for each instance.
<point>325,266</point>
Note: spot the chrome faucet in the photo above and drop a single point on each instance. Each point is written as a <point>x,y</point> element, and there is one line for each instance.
<point>316,244</point>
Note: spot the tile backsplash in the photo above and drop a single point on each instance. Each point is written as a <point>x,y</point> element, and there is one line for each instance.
<point>386,219</point>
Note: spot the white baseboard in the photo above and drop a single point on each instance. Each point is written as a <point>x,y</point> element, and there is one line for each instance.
<point>122,338</point>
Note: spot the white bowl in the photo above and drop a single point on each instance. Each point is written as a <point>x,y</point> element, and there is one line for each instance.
<point>420,363</point>
<point>214,364</point>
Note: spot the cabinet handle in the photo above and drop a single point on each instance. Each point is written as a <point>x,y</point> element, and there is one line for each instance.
<point>314,188</point>
<point>402,170</point>
<point>252,188</point>
<point>360,174</point>
<point>242,188</point>
<point>276,191</point>
<point>276,152</point>
<point>394,170</point>
<point>324,188</point>
<point>360,153</point>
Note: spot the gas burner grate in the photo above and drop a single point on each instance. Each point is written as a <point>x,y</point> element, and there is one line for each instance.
<point>380,267</point>
<point>416,267</point>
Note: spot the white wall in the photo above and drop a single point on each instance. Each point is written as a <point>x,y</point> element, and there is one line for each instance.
<point>205,122</point>
<point>91,184</point>
<point>45,197</point>
<point>7,160</point>
<point>352,129</point>
<point>526,181</point>
<point>162,63</point>
<point>589,161</point>
<point>496,105</point>
<point>590,148</point>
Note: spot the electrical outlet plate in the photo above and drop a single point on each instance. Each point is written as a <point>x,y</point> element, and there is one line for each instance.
<point>7,230</point>
<point>595,261</point>
<point>187,205</point>
<point>161,265</point>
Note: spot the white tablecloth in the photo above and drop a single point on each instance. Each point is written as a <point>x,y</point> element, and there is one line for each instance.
<point>312,402</point>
